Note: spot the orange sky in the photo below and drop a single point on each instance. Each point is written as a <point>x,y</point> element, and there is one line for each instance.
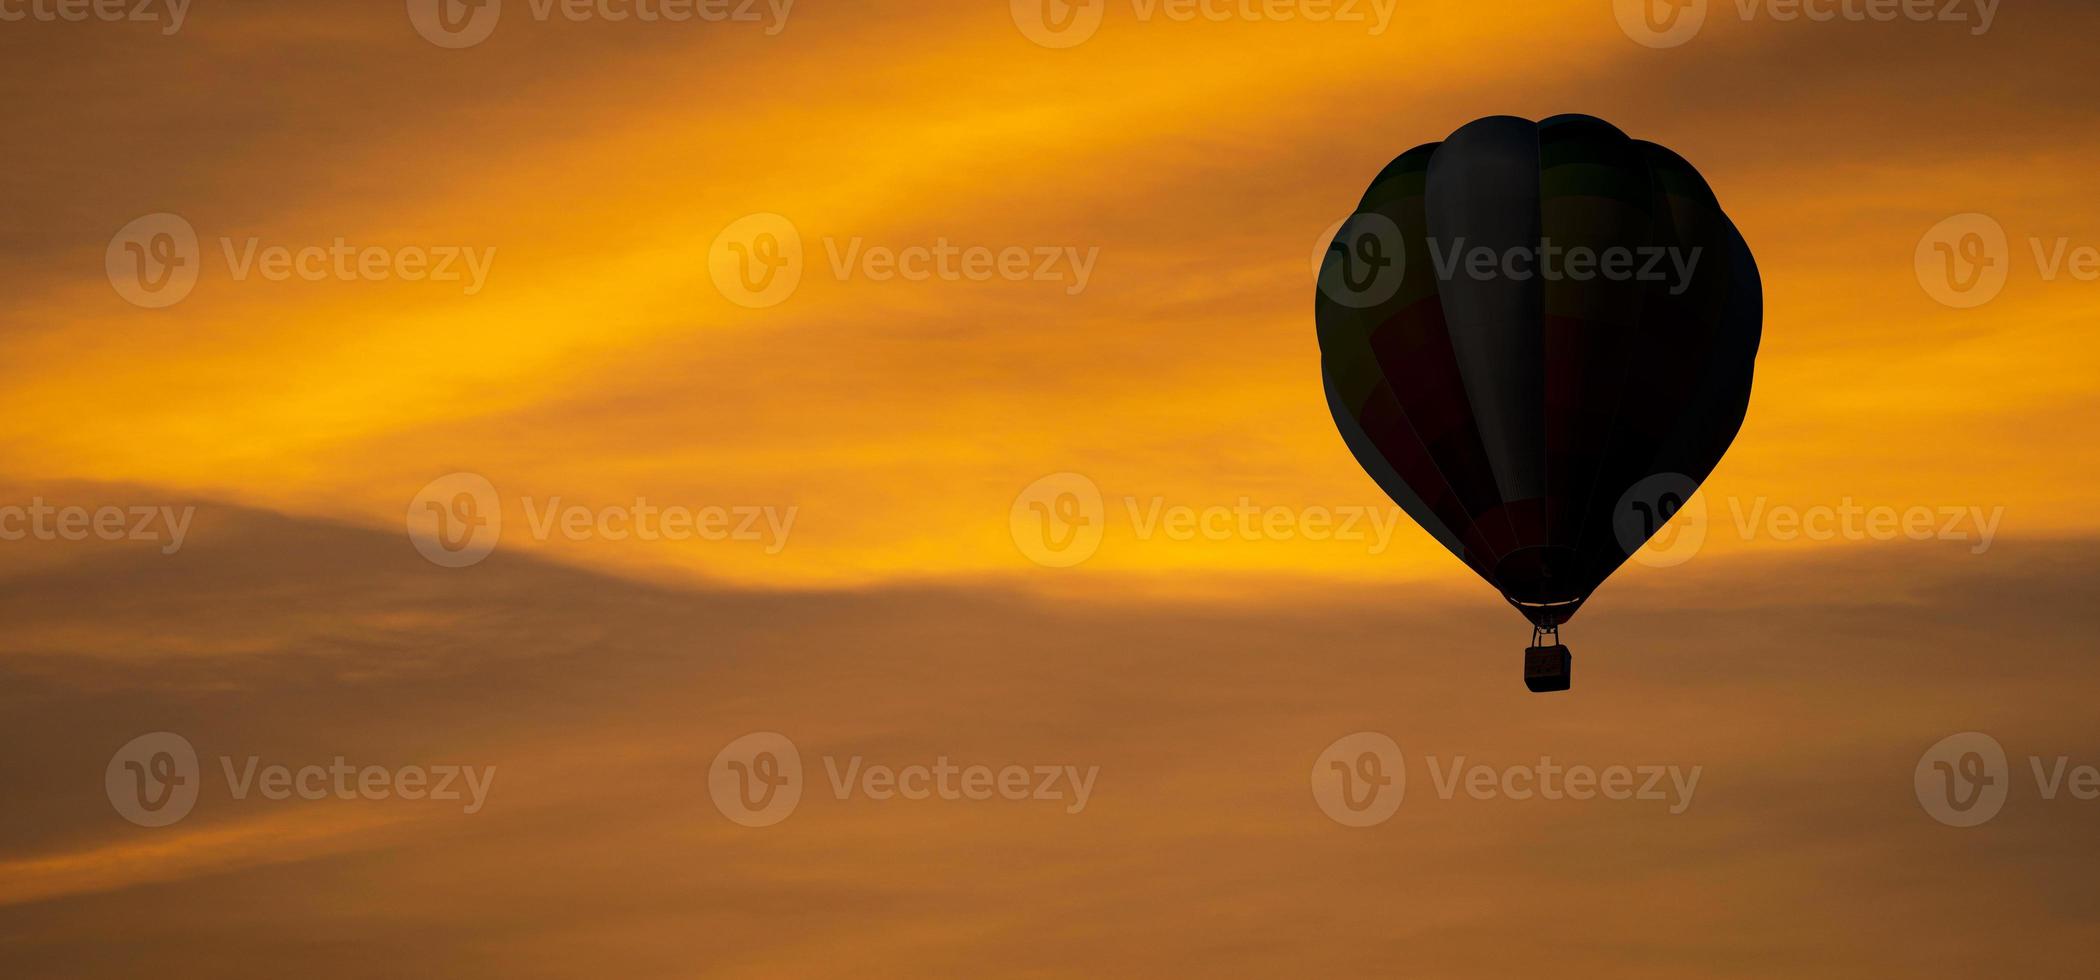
<point>1195,165</point>
<point>599,363</point>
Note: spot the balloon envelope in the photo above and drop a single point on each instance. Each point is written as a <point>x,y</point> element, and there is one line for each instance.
<point>1538,338</point>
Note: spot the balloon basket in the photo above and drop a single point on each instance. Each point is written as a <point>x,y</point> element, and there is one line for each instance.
<point>1547,665</point>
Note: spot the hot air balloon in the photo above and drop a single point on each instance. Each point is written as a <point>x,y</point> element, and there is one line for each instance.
<point>1538,338</point>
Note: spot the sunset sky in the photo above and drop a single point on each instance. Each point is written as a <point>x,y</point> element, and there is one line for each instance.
<point>1189,170</point>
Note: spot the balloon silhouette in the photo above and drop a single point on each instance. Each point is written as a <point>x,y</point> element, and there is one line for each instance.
<point>1538,338</point>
